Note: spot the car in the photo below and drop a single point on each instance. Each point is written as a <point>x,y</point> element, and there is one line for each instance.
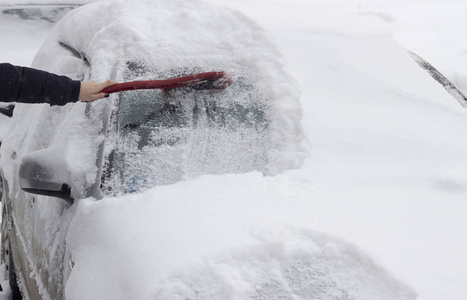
<point>137,139</point>
<point>189,193</point>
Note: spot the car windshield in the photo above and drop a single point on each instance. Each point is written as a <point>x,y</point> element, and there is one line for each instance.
<point>165,136</point>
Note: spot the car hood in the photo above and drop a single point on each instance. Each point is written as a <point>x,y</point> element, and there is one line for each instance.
<point>228,236</point>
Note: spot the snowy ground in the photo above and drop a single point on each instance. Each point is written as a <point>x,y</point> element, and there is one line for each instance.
<point>387,167</point>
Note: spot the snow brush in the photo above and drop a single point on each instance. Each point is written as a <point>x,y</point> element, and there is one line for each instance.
<point>201,81</point>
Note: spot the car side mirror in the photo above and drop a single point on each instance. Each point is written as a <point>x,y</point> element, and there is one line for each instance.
<point>41,173</point>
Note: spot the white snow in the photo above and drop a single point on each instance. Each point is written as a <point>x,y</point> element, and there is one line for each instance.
<point>20,38</point>
<point>386,171</point>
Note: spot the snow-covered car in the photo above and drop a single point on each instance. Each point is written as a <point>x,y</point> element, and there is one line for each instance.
<point>139,139</point>
<point>195,194</point>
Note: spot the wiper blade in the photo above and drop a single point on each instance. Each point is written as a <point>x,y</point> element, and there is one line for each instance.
<point>448,86</point>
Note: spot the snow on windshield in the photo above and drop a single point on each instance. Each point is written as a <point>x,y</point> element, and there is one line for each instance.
<point>167,136</point>
<point>129,43</point>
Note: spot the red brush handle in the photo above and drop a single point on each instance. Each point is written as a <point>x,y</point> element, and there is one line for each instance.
<point>172,83</point>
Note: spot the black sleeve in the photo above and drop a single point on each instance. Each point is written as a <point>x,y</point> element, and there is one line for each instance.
<point>26,85</point>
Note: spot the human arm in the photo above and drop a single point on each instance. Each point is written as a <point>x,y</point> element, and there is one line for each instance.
<point>27,85</point>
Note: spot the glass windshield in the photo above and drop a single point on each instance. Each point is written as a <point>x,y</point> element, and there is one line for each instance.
<point>164,137</point>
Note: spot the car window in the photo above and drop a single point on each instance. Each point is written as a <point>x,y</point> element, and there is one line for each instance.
<point>164,137</point>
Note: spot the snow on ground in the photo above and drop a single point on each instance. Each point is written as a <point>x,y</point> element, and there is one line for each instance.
<point>386,173</point>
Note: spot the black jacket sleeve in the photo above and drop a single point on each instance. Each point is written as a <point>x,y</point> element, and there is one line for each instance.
<point>26,85</point>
